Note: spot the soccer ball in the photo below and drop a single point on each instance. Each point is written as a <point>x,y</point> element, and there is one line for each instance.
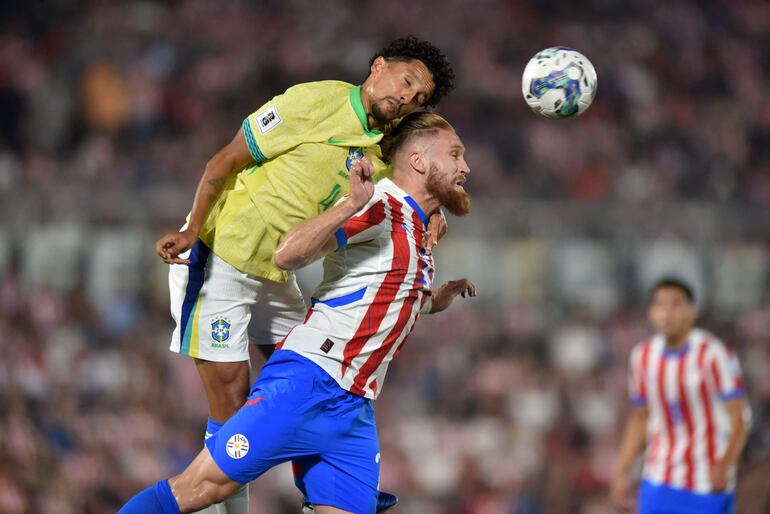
<point>559,83</point>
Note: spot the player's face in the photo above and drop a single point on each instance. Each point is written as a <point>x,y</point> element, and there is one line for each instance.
<point>397,88</point>
<point>671,313</point>
<point>448,172</point>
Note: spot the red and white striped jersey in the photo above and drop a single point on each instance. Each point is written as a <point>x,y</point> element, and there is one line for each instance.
<point>685,389</point>
<point>373,288</point>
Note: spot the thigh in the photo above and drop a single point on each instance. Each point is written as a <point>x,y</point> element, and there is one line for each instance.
<point>346,473</point>
<point>280,307</point>
<point>266,431</point>
<point>211,305</point>
<point>327,485</point>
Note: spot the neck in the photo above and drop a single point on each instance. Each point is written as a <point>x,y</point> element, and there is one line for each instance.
<point>427,202</point>
<point>366,101</point>
<point>675,342</point>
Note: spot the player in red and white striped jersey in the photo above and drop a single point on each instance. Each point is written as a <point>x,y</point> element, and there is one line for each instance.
<point>690,415</point>
<point>379,275</point>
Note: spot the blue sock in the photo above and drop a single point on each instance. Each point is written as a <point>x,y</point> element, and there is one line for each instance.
<point>212,427</point>
<point>156,499</point>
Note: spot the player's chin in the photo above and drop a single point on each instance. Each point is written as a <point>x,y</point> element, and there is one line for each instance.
<point>458,203</point>
<point>390,110</point>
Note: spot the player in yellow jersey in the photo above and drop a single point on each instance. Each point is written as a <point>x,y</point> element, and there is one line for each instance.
<point>288,163</point>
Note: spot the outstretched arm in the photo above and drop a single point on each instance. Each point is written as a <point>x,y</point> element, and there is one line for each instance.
<point>231,158</point>
<point>314,238</point>
<point>443,296</point>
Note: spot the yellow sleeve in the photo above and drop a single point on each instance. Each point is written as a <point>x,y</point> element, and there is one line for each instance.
<point>281,124</point>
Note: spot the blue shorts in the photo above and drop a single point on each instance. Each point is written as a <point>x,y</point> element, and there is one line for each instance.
<point>296,411</point>
<point>659,499</point>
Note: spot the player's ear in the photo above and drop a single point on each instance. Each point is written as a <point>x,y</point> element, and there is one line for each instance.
<point>418,162</point>
<point>377,66</point>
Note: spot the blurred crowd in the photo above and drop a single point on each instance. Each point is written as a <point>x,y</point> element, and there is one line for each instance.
<point>511,403</point>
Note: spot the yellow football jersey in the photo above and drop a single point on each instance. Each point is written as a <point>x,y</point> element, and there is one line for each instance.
<point>302,143</point>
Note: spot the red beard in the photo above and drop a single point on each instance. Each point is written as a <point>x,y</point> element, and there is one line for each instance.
<point>456,202</point>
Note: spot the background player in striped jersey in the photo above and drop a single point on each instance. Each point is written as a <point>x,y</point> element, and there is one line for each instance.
<point>313,400</point>
<point>690,415</point>
<point>289,162</point>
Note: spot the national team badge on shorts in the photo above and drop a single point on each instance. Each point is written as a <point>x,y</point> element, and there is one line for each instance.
<point>220,330</point>
<point>353,154</point>
<point>237,446</point>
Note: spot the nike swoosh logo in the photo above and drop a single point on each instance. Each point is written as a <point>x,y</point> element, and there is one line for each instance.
<point>333,141</point>
<point>253,402</point>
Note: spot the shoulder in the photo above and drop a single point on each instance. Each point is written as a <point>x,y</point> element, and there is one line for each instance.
<point>714,346</point>
<point>324,88</point>
<point>643,346</point>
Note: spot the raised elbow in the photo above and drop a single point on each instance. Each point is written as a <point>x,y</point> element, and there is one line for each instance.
<point>284,261</point>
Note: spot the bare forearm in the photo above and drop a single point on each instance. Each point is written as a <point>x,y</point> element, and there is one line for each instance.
<point>634,438</point>
<point>738,432</point>
<point>218,170</point>
<point>230,159</point>
<point>309,240</point>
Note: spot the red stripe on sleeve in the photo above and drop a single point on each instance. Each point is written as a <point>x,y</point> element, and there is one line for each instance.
<point>371,217</point>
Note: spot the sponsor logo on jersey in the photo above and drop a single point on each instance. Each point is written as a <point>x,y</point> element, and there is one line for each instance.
<point>268,119</point>
<point>237,446</point>
<point>327,346</point>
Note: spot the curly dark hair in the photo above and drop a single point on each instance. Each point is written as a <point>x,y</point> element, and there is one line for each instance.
<point>410,47</point>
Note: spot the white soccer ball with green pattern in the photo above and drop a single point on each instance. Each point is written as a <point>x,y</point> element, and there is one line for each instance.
<point>559,83</point>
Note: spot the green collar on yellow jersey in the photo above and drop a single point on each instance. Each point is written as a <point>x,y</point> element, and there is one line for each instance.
<point>358,108</point>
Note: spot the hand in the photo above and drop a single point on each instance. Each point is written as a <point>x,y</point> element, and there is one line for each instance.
<point>622,494</point>
<point>361,183</point>
<point>719,473</point>
<point>174,243</point>
<point>443,296</point>
<point>436,230</point>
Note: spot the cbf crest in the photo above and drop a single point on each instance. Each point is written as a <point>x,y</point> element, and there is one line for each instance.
<point>353,154</point>
<point>220,331</point>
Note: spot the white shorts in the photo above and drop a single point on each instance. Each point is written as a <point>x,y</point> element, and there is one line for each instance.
<point>218,309</point>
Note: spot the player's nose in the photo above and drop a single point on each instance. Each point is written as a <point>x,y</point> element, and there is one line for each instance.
<point>407,96</point>
<point>464,168</point>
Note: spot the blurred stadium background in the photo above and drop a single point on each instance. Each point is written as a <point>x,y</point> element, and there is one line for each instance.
<point>509,404</point>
